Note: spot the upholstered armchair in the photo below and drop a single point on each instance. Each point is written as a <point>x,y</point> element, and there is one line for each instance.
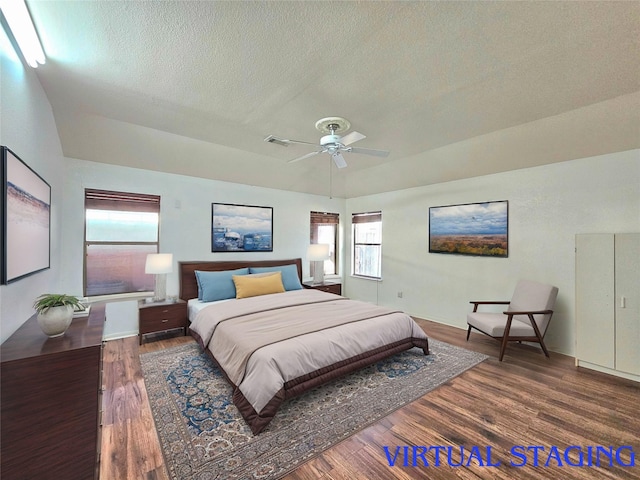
<point>526,318</point>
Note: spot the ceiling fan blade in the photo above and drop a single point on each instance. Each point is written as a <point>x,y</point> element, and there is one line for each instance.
<point>339,160</point>
<point>369,151</point>
<point>305,156</point>
<point>285,142</point>
<point>352,137</point>
<point>303,143</point>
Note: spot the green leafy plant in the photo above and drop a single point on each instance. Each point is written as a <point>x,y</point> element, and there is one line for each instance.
<point>48,300</point>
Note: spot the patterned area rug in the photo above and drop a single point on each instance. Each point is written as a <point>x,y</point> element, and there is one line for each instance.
<point>204,437</point>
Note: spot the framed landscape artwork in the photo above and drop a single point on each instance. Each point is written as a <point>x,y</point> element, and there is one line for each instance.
<point>241,228</point>
<point>26,219</point>
<point>479,229</point>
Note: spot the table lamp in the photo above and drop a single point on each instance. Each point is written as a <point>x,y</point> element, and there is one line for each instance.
<point>318,253</point>
<point>159,264</point>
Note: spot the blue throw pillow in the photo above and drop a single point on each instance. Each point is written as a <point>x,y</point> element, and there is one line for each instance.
<point>290,278</point>
<point>214,286</point>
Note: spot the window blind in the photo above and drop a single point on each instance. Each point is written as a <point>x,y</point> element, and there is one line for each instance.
<point>324,217</point>
<point>366,217</point>
<point>120,201</point>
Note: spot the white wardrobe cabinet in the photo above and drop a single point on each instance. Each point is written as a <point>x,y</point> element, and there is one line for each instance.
<point>608,303</point>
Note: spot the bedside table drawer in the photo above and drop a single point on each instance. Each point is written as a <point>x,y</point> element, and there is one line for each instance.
<point>162,321</point>
<point>335,288</point>
<point>162,311</point>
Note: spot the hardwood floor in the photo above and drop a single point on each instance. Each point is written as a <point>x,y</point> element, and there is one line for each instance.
<point>129,447</point>
<point>525,400</point>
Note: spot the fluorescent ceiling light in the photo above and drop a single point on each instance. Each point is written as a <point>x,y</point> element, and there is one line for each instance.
<point>17,16</point>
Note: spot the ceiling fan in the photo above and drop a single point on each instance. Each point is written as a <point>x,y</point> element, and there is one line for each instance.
<point>333,144</point>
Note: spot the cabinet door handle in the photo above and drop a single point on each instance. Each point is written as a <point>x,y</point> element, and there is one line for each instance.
<point>165,320</point>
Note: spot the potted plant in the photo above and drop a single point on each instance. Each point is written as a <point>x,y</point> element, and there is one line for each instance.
<point>55,312</point>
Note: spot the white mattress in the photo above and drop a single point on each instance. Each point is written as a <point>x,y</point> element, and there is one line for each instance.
<point>194,306</point>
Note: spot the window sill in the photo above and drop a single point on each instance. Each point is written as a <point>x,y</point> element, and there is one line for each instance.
<point>119,297</point>
<point>363,277</point>
<point>327,278</point>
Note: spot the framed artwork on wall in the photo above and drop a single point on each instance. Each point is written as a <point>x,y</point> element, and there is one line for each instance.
<point>241,228</point>
<point>26,231</point>
<point>478,229</point>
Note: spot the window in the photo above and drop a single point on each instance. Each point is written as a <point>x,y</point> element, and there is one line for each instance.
<point>120,230</point>
<point>367,244</point>
<point>324,229</point>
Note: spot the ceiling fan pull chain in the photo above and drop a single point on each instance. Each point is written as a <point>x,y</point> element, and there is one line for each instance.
<point>330,178</point>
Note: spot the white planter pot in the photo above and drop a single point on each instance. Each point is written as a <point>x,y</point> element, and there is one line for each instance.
<point>55,321</point>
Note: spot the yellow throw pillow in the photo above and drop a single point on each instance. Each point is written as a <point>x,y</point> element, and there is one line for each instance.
<point>254,285</point>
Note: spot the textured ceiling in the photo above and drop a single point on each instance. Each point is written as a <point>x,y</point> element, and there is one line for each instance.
<point>451,89</point>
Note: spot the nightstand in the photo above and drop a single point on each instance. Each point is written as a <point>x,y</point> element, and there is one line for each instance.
<point>160,316</point>
<point>329,287</point>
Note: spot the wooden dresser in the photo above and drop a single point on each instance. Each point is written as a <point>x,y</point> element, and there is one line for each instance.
<point>50,400</point>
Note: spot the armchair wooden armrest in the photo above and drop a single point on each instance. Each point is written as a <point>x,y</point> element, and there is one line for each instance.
<point>531,312</point>
<point>476,303</point>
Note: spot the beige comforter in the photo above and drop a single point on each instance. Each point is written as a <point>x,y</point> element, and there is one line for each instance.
<point>263,342</point>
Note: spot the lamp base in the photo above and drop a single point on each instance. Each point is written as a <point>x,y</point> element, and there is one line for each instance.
<point>318,273</point>
<point>160,293</point>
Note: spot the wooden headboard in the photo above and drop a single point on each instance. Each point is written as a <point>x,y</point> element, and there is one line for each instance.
<point>189,285</point>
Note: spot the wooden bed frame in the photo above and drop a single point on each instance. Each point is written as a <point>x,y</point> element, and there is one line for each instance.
<point>297,386</point>
<point>189,284</point>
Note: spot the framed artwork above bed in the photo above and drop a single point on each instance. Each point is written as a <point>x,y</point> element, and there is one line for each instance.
<point>241,228</point>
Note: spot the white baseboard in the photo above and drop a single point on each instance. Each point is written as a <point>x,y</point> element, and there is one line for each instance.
<point>610,371</point>
<point>119,335</point>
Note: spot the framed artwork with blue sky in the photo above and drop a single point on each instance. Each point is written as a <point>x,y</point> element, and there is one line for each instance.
<point>241,228</point>
<point>477,229</point>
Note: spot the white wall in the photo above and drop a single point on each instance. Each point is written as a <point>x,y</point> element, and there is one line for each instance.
<point>28,129</point>
<point>185,218</point>
<point>548,206</point>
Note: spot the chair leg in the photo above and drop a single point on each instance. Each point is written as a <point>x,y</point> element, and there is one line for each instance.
<point>505,337</point>
<point>544,348</point>
<point>503,347</point>
<point>468,332</point>
<point>535,328</point>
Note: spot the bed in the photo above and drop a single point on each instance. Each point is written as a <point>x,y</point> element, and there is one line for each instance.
<point>275,346</point>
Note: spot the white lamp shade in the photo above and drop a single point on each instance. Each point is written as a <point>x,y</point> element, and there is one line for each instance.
<point>318,252</point>
<point>159,263</point>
